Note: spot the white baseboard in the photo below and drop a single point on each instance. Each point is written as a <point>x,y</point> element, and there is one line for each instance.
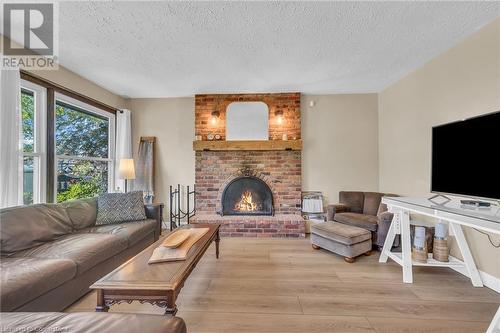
<point>489,280</point>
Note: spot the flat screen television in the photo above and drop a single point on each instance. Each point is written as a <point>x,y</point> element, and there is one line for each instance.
<point>466,157</point>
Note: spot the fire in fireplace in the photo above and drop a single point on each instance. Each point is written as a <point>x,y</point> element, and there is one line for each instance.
<point>247,204</point>
<point>247,195</point>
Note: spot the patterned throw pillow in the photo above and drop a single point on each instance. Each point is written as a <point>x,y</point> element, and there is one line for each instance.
<point>120,207</point>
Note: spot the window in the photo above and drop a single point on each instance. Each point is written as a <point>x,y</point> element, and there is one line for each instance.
<point>84,141</point>
<point>33,119</point>
<point>67,143</point>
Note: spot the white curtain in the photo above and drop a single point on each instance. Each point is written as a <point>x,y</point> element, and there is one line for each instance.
<point>123,147</point>
<point>11,172</point>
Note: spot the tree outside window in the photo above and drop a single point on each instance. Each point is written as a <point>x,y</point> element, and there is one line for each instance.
<point>83,152</point>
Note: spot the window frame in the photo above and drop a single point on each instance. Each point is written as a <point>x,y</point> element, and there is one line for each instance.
<point>58,96</point>
<point>48,178</point>
<point>39,153</point>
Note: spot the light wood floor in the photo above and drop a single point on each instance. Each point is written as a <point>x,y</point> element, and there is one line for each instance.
<point>274,285</point>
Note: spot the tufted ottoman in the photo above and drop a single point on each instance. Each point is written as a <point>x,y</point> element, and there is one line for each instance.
<point>342,239</point>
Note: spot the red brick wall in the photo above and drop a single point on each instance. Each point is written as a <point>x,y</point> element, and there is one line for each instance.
<point>283,225</point>
<point>281,170</point>
<point>289,103</point>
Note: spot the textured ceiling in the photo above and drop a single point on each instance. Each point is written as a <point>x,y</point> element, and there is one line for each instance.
<point>164,49</point>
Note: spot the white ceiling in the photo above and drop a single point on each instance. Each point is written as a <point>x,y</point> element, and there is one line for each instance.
<point>165,49</point>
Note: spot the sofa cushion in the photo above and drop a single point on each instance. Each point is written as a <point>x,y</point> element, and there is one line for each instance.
<point>368,222</point>
<point>29,226</point>
<point>86,250</point>
<point>91,322</point>
<point>24,279</point>
<point>131,232</point>
<point>372,203</point>
<point>354,200</point>
<point>120,207</point>
<point>82,213</point>
<point>341,233</point>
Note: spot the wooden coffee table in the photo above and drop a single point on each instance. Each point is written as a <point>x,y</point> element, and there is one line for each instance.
<point>157,284</point>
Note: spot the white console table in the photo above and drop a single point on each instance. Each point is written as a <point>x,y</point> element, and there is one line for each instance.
<point>456,215</point>
<point>495,323</point>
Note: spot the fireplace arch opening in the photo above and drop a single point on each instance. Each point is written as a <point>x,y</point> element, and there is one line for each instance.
<point>247,195</point>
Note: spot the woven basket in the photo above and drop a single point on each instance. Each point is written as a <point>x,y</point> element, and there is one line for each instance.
<point>419,254</point>
<point>440,250</point>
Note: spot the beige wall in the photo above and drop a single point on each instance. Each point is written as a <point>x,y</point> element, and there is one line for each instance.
<point>171,121</point>
<point>75,82</point>
<point>340,143</point>
<point>330,162</point>
<point>462,82</point>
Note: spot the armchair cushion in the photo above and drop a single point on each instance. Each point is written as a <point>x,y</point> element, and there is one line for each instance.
<point>367,222</point>
<point>354,200</point>
<point>331,210</point>
<point>371,203</point>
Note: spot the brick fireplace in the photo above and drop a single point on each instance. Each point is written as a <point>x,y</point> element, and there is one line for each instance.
<point>276,164</point>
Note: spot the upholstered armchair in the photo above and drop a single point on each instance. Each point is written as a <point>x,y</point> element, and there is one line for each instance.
<point>364,210</point>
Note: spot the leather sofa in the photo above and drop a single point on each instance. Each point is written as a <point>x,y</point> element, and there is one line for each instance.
<point>89,322</point>
<point>51,253</point>
<point>364,210</point>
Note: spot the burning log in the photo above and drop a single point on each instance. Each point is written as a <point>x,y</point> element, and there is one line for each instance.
<point>246,203</point>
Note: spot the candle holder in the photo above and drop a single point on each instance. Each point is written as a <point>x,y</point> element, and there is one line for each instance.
<point>440,248</point>
<point>419,250</point>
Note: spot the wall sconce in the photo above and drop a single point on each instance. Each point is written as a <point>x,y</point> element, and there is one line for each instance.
<point>214,117</point>
<point>279,116</point>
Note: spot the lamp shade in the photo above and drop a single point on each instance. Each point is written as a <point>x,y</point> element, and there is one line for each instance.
<point>126,169</point>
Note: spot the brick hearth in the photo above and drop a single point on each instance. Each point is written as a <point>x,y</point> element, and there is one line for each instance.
<point>280,225</point>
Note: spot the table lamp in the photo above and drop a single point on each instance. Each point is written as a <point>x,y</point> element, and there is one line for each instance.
<point>126,170</point>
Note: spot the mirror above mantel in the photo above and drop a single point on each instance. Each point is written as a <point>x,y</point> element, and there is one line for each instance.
<point>247,121</point>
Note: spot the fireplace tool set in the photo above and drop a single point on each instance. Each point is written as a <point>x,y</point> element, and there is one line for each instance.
<point>177,214</point>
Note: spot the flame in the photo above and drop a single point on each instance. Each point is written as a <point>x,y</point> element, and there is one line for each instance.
<point>246,203</point>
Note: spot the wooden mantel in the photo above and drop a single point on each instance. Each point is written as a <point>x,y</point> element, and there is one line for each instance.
<point>247,145</point>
